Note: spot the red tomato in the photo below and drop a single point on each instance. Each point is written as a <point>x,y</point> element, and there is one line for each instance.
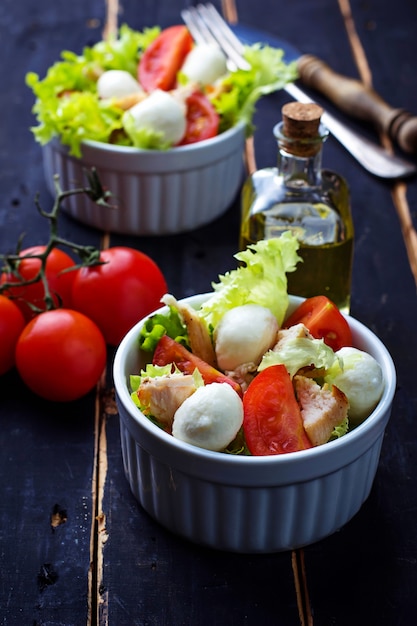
<point>127,287</point>
<point>12,323</point>
<point>163,58</point>
<point>272,420</point>
<point>202,119</point>
<point>61,355</point>
<point>170,351</point>
<point>59,281</point>
<point>324,321</point>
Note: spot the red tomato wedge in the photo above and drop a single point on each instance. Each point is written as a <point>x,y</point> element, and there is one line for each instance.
<point>202,119</point>
<point>163,58</point>
<point>272,420</point>
<point>170,351</point>
<point>324,321</point>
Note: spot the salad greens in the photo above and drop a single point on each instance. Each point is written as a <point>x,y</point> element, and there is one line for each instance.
<point>160,324</point>
<point>300,352</point>
<point>243,88</point>
<point>260,280</point>
<point>156,371</point>
<point>144,138</point>
<point>67,105</point>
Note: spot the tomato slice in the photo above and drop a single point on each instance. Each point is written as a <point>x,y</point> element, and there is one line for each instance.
<point>272,421</point>
<point>170,351</point>
<point>163,58</point>
<point>202,119</point>
<point>324,321</point>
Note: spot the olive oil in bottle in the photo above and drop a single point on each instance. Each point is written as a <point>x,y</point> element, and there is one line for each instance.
<point>314,204</point>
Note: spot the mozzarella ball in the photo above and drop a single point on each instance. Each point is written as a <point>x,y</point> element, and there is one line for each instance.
<point>210,418</point>
<point>243,335</point>
<point>205,64</point>
<point>117,84</point>
<point>162,113</point>
<point>361,380</point>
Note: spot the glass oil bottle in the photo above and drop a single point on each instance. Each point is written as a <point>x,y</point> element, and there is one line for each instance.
<point>314,204</point>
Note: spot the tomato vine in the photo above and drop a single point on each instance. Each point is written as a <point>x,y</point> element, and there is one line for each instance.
<point>88,255</point>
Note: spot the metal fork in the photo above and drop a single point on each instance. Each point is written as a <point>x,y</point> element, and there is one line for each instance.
<point>207,26</point>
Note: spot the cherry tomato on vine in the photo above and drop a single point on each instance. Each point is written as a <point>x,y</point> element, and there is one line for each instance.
<point>324,321</point>
<point>12,323</point>
<point>120,292</point>
<point>60,355</point>
<point>162,59</point>
<point>59,281</point>
<point>202,119</point>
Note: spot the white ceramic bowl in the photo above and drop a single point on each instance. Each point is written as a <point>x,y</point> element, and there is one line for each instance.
<point>250,504</point>
<point>156,192</point>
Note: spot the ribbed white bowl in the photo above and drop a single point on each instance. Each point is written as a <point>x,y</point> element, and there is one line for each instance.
<point>156,192</point>
<point>250,504</point>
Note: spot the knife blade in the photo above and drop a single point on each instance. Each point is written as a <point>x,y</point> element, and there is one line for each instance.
<point>348,94</point>
<point>370,155</point>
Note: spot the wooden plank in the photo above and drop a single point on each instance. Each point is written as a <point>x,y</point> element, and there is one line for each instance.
<point>59,470</point>
<point>46,459</point>
<point>364,574</point>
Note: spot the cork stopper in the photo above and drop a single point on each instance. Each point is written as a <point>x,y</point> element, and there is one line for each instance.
<point>300,128</point>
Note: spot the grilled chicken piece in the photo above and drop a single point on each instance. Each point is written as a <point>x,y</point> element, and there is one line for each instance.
<point>298,331</point>
<point>198,334</point>
<point>163,395</point>
<point>322,408</point>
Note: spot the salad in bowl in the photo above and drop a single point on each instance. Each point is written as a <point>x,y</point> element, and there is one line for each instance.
<point>154,89</point>
<point>273,445</point>
<point>239,375</point>
<point>162,120</point>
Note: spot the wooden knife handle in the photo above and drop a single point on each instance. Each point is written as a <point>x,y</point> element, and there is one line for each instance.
<point>357,100</point>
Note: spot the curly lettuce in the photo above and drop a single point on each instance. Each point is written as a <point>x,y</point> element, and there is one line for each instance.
<point>67,105</point>
<point>144,138</point>
<point>240,90</point>
<point>340,430</point>
<point>163,324</point>
<point>261,279</point>
<point>158,371</point>
<point>299,352</point>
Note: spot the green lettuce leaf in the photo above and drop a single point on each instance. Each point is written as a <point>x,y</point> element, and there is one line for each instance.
<point>260,280</point>
<point>157,371</point>
<point>160,324</point>
<point>340,430</point>
<point>150,371</point>
<point>236,99</point>
<point>299,352</point>
<point>144,138</point>
<point>66,103</point>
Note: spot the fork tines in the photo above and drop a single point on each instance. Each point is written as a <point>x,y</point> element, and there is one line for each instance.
<point>207,26</point>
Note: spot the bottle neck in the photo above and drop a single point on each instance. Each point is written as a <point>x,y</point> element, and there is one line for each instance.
<point>299,160</point>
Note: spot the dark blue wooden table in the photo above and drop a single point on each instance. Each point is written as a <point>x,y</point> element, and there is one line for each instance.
<point>75,547</point>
